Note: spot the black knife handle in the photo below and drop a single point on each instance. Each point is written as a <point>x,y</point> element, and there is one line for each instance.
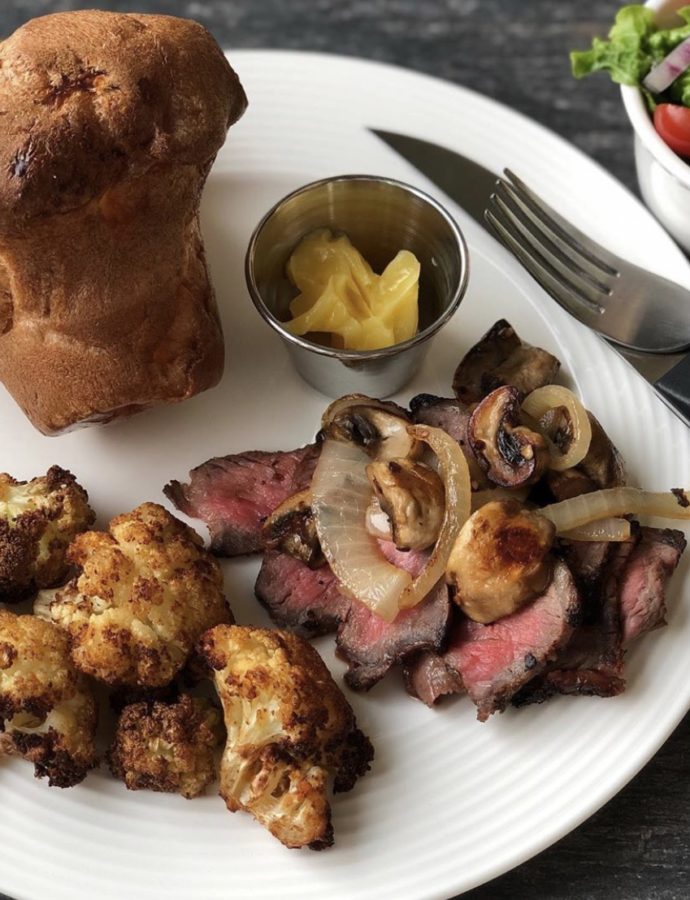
<point>674,389</point>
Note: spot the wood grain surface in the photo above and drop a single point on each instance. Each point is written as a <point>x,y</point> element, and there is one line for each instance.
<point>638,846</point>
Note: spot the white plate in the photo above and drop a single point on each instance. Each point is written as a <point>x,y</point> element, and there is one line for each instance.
<point>449,803</point>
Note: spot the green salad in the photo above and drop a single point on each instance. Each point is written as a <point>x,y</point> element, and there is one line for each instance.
<point>657,60</point>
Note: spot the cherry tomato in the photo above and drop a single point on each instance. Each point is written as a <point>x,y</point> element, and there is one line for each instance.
<point>673,124</point>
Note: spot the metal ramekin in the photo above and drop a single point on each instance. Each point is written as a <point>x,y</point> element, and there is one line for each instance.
<point>380,216</point>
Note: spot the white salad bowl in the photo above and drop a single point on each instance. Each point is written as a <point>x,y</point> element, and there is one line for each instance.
<point>663,176</point>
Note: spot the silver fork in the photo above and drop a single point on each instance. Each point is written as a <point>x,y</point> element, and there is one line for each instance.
<point>625,303</point>
<point>630,306</point>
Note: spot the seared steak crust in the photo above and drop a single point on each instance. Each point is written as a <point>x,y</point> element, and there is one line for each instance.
<point>306,600</point>
<point>643,583</point>
<point>588,561</point>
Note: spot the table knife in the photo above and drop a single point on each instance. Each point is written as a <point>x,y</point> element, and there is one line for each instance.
<point>470,185</point>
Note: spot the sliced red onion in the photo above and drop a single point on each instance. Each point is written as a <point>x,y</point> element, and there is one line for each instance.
<point>665,73</point>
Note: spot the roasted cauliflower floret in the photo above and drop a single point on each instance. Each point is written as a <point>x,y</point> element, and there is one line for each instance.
<point>146,592</point>
<point>47,711</point>
<point>38,520</point>
<point>169,747</point>
<point>290,730</point>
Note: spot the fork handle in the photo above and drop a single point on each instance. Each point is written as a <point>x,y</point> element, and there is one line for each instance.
<point>674,389</point>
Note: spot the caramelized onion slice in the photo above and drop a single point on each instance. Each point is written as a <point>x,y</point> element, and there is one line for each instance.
<point>611,529</point>
<point>539,402</point>
<point>620,501</point>
<point>341,495</point>
<point>455,474</point>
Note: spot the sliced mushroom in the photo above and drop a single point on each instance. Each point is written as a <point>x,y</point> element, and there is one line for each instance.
<point>601,468</point>
<point>500,560</point>
<point>291,529</point>
<point>412,496</point>
<point>511,454</point>
<point>380,427</point>
<point>560,416</point>
<point>502,358</point>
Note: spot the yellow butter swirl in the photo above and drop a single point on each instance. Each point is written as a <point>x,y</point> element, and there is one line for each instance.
<point>342,299</point>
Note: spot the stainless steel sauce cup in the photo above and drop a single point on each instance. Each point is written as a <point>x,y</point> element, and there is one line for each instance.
<point>381,217</point>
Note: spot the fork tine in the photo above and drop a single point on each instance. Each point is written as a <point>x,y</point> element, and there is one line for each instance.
<point>573,237</point>
<point>532,238</point>
<point>550,244</point>
<point>541,271</point>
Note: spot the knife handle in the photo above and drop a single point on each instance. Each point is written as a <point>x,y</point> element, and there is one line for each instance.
<point>674,389</point>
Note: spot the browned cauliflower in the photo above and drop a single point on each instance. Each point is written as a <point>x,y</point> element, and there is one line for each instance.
<point>146,592</point>
<point>38,519</point>
<point>289,728</point>
<point>168,747</point>
<point>47,712</point>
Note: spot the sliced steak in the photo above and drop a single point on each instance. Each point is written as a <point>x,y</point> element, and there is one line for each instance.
<point>412,561</point>
<point>441,412</point>
<point>644,580</point>
<point>428,677</point>
<point>592,662</point>
<point>371,646</point>
<point>234,494</point>
<point>588,562</point>
<point>306,600</point>
<point>453,418</point>
<point>495,661</point>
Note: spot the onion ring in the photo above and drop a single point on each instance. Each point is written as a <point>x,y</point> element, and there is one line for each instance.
<point>540,401</point>
<point>341,495</point>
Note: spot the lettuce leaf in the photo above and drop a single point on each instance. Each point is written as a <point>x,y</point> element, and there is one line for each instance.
<point>634,46</point>
<point>679,92</point>
<point>626,55</point>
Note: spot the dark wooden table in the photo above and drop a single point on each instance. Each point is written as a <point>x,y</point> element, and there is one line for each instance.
<point>638,846</point>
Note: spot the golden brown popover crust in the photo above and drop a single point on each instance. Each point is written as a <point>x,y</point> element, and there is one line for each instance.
<point>110,124</point>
